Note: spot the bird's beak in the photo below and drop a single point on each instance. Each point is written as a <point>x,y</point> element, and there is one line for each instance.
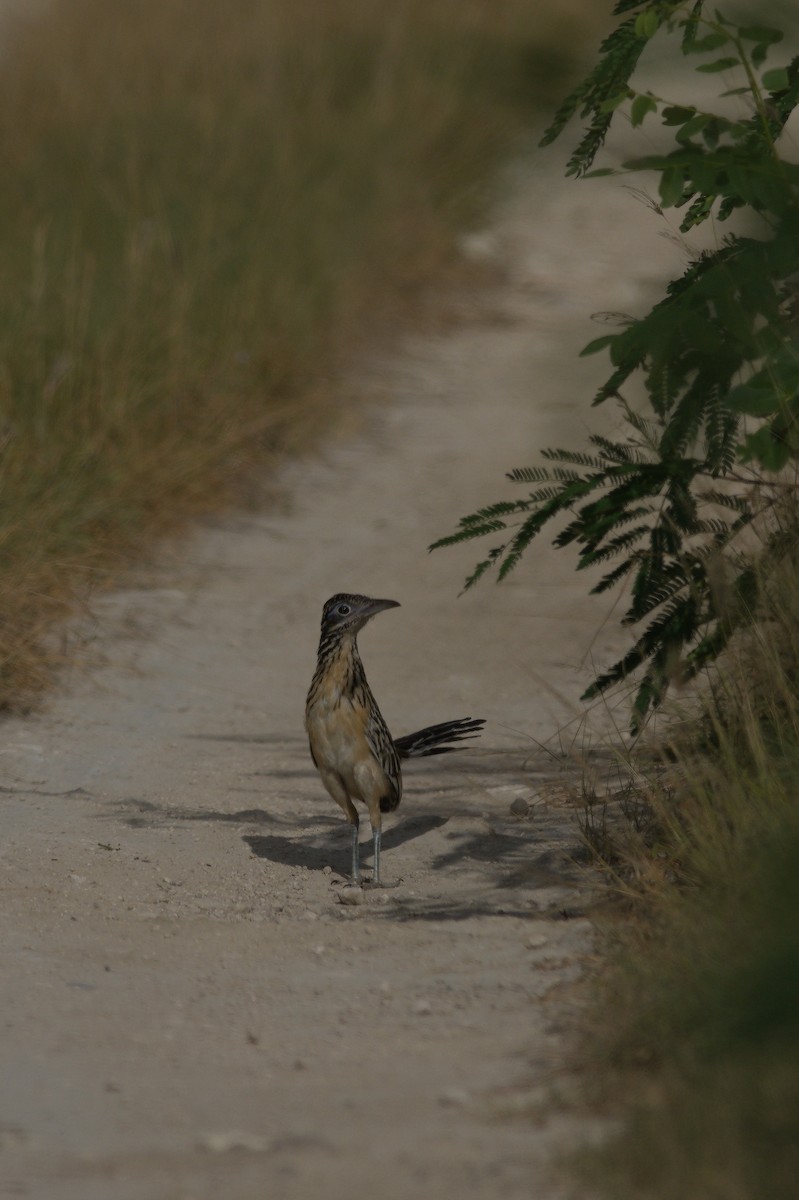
<point>375,606</point>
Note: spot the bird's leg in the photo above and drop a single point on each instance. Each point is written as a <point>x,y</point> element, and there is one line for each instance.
<point>376,870</point>
<point>356,863</point>
<point>376,881</point>
<point>339,793</point>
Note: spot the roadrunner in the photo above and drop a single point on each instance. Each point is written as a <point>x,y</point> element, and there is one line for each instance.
<point>350,743</point>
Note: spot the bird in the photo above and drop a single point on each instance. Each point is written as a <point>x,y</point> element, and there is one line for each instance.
<point>351,747</point>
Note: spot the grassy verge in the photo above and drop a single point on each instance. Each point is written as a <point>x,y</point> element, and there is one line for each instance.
<point>699,1025</point>
<point>203,205</point>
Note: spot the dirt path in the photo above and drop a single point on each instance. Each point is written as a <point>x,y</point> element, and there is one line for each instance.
<point>189,1011</point>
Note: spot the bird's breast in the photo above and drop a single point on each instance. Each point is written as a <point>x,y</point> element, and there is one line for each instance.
<point>336,731</point>
<point>340,747</point>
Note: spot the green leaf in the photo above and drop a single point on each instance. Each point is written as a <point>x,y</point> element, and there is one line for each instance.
<point>598,344</point>
<point>641,105</point>
<point>721,64</point>
<point>672,187</point>
<point>760,33</point>
<point>481,568</point>
<point>711,41</point>
<point>610,105</point>
<point>776,80</point>
<point>676,114</point>
<point>764,449</point>
<point>646,23</point>
<point>654,162</point>
<point>754,399</point>
<point>694,125</point>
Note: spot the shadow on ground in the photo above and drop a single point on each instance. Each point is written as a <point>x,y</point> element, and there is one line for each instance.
<point>504,866</point>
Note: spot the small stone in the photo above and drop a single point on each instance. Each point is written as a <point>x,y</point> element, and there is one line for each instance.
<point>536,941</point>
<point>310,915</point>
<point>520,807</point>
<point>480,246</point>
<point>454,1097</point>
<point>350,895</point>
<point>422,1008</point>
<point>233,1139</point>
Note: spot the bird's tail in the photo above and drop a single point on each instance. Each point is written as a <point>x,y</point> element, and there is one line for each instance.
<point>436,739</point>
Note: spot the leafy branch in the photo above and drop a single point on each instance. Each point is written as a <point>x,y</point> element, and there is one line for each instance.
<point>718,356</point>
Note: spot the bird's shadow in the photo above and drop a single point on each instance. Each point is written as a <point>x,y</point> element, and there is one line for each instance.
<point>482,847</point>
<point>314,853</point>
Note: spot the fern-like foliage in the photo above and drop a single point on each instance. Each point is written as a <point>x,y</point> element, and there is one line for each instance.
<point>718,355</point>
<point>609,79</point>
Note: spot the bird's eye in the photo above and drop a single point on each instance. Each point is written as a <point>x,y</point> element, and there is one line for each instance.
<point>343,610</point>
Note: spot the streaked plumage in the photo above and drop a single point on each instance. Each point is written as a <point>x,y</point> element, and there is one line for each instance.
<point>351,746</point>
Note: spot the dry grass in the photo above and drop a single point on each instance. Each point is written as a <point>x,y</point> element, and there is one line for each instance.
<point>203,207</point>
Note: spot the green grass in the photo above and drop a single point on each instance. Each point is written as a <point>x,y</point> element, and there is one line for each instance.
<point>704,988</point>
<point>205,208</point>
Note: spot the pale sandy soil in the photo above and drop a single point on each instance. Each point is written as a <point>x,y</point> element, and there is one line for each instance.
<point>189,1012</point>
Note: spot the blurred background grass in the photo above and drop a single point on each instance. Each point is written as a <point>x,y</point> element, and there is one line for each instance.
<point>204,205</point>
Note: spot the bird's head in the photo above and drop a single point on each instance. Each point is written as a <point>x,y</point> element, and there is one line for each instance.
<point>347,614</point>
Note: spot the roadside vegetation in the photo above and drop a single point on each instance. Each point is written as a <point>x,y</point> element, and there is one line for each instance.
<point>693,512</point>
<point>204,207</point>
<point>695,1032</point>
